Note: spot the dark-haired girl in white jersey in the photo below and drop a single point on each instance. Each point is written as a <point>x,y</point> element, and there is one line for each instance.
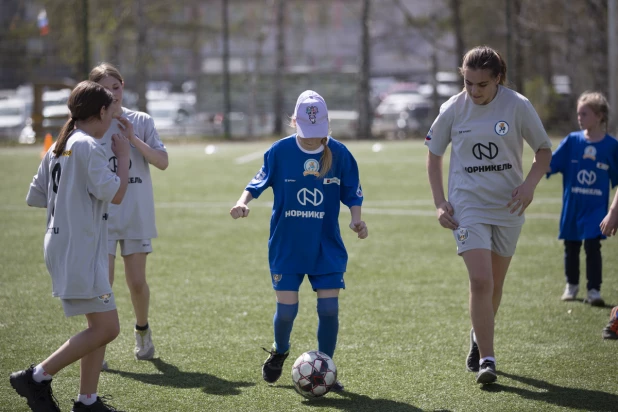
<point>487,124</point>
<point>75,185</point>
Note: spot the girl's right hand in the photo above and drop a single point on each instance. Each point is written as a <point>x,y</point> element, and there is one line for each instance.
<point>240,210</point>
<point>445,214</point>
<point>120,145</point>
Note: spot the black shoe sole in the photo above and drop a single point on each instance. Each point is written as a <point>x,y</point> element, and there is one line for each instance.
<point>470,355</point>
<point>486,378</point>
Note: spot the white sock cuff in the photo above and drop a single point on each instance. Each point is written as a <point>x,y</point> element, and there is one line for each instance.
<point>87,399</point>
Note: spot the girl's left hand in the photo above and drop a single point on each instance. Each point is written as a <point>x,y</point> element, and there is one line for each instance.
<point>360,227</point>
<point>127,128</point>
<point>521,198</point>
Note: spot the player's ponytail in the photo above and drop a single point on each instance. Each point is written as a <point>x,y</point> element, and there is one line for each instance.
<point>85,102</point>
<point>326,161</point>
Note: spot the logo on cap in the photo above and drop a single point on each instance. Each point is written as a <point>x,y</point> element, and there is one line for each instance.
<point>312,111</point>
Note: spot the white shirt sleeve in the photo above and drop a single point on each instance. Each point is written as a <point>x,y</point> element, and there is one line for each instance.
<point>151,136</point>
<point>532,128</point>
<point>439,135</point>
<point>102,183</point>
<point>37,194</point>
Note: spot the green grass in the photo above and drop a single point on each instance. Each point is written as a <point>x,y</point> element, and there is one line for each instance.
<point>404,320</point>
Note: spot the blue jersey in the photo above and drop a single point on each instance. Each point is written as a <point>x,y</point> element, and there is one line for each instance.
<point>587,170</point>
<point>304,226</point>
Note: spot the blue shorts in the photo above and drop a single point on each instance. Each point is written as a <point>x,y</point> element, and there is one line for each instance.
<point>293,282</point>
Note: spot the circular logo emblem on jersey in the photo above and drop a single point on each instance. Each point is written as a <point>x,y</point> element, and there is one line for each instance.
<point>305,196</point>
<point>462,234</point>
<point>312,167</point>
<point>590,152</point>
<point>276,279</point>
<point>489,151</point>
<point>586,177</point>
<point>501,128</point>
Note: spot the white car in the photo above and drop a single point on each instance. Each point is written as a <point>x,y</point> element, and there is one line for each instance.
<point>15,121</point>
<point>170,117</point>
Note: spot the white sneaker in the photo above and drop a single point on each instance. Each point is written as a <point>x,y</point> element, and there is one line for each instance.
<point>570,292</point>
<point>594,298</point>
<point>144,348</point>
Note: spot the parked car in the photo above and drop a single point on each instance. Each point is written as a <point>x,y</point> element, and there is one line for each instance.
<point>55,109</point>
<point>171,117</point>
<point>343,123</point>
<point>401,115</point>
<point>14,120</point>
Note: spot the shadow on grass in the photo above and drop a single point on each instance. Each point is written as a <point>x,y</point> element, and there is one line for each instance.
<point>349,401</point>
<point>173,377</point>
<point>604,306</point>
<point>584,399</point>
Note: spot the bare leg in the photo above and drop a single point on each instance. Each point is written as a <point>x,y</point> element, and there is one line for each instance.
<point>500,265</point>
<point>135,272</point>
<point>102,328</point>
<point>479,264</point>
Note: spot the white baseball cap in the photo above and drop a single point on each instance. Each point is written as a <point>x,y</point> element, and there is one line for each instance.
<point>311,115</point>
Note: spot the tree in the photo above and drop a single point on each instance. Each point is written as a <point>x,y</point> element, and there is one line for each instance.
<point>280,67</point>
<point>365,115</point>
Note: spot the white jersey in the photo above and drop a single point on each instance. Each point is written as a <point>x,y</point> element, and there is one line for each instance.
<point>486,157</point>
<point>134,218</point>
<point>76,189</point>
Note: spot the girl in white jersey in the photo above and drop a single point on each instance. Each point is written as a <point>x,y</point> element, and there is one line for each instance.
<point>132,224</point>
<point>487,194</point>
<point>75,185</point>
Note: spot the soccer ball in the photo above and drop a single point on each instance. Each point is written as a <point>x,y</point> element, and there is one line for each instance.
<point>314,374</point>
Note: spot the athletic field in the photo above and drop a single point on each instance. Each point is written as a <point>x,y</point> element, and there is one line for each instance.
<point>404,321</point>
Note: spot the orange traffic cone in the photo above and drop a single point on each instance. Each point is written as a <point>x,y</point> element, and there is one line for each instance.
<point>47,144</point>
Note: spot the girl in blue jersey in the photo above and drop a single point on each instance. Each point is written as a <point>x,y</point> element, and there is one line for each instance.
<point>75,186</point>
<point>310,174</point>
<point>588,161</point>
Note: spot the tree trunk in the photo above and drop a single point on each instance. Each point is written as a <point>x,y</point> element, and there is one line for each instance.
<point>280,68</point>
<point>226,70</point>
<point>140,63</point>
<point>458,28</point>
<point>365,114</point>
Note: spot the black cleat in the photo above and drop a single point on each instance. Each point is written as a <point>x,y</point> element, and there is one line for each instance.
<point>39,395</point>
<point>337,387</point>
<point>474,356</point>
<point>611,330</point>
<point>271,370</point>
<point>487,373</point>
<point>99,406</point>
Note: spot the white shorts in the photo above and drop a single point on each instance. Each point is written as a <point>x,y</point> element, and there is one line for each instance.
<point>73,307</point>
<point>129,246</point>
<point>501,240</point>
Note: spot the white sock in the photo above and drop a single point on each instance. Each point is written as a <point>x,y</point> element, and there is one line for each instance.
<point>474,337</point>
<point>488,358</point>
<point>87,399</point>
<point>39,375</point>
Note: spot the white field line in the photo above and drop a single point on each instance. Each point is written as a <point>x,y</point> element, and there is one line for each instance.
<point>248,157</point>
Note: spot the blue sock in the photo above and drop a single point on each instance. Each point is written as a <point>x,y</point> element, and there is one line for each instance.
<point>283,322</point>
<point>328,325</point>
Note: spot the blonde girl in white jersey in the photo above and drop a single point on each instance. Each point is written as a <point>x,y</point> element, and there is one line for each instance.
<point>486,124</point>
<point>132,224</point>
<point>75,186</point>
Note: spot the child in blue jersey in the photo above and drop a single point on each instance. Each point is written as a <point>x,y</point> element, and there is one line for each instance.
<point>75,186</point>
<point>588,161</point>
<point>310,174</point>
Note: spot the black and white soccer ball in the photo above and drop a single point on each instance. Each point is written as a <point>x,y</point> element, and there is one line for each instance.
<point>314,374</point>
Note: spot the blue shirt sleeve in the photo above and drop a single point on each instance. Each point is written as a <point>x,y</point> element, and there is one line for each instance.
<point>351,190</point>
<point>263,179</point>
<point>560,158</point>
<point>613,168</point>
